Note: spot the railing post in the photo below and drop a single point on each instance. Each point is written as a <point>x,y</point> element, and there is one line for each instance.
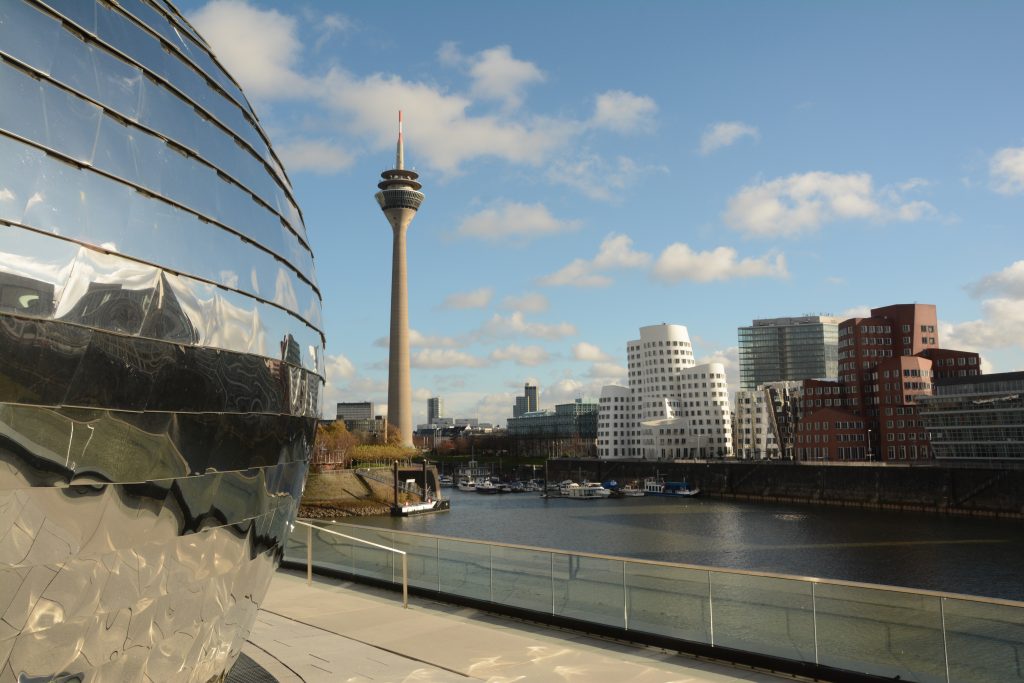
<point>814,616</point>
<point>309,556</point>
<point>405,581</point>
<point>711,611</point>
<point>945,645</point>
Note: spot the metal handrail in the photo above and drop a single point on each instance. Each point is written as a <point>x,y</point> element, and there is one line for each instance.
<point>309,556</point>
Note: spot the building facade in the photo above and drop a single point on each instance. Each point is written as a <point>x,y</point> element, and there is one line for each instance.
<point>886,365</point>
<point>356,410</point>
<point>529,402</point>
<point>435,409</point>
<point>785,349</point>
<point>764,421</point>
<point>976,417</point>
<point>569,429</point>
<point>672,408</point>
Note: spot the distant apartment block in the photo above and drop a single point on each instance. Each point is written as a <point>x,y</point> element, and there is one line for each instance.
<point>764,421</point>
<point>359,418</point>
<point>672,408</point>
<point>528,402</point>
<point>976,417</point>
<point>435,409</point>
<point>786,349</point>
<point>887,363</point>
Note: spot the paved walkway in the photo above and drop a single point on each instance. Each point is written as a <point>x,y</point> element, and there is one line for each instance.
<point>340,632</point>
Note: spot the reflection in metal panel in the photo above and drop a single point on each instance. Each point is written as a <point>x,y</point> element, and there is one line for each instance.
<point>161,354</point>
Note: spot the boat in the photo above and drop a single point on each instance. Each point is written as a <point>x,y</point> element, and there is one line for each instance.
<point>466,484</point>
<point>408,508</point>
<point>631,490</point>
<point>446,481</point>
<point>163,360</point>
<point>486,486</point>
<point>585,491</point>
<point>654,486</point>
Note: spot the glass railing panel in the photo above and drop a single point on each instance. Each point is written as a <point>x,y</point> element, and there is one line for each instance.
<point>882,632</point>
<point>464,568</point>
<point>521,578</point>
<point>763,614</point>
<point>985,641</point>
<point>373,562</point>
<point>330,551</point>
<point>668,601</point>
<point>589,588</point>
<point>421,553</point>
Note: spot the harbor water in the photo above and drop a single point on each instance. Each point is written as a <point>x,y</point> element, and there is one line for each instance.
<point>974,556</point>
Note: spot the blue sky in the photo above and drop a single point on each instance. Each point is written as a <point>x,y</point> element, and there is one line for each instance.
<point>592,167</point>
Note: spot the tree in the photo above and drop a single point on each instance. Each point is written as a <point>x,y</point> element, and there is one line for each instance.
<point>334,442</point>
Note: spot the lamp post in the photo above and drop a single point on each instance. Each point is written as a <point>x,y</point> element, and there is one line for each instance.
<point>870,454</point>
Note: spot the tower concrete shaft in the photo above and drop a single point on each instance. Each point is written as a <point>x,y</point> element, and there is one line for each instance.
<point>399,198</point>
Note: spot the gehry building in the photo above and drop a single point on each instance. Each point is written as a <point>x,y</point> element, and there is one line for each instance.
<point>672,409</point>
<point>161,345</point>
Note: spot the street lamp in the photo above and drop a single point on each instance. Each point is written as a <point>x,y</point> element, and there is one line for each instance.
<point>870,454</point>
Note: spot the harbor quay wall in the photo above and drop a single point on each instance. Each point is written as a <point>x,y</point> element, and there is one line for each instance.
<point>980,489</point>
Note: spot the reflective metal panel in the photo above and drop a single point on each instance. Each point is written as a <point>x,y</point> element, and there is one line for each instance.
<point>162,361</point>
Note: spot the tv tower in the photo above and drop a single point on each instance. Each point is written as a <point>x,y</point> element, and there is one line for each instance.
<point>399,198</point>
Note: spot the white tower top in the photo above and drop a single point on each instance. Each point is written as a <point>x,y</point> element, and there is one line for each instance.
<point>400,152</point>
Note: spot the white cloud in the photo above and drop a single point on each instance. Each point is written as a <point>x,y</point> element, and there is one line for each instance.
<point>589,352</point>
<point>608,373</point>
<point>803,203</point>
<point>259,48</point>
<point>862,311</point>
<point>417,338</point>
<point>495,73</point>
<point>1006,167</point>
<point>531,302</point>
<point>1009,281</point>
<point>596,178</point>
<point>316,156</point>
<point>329,26</point>
<point>500,327</point>
<point>338,367</point>
<point>679,262</point>
<point>624,112</point>
<point>478,298</point>
<point>1001,325</point>
<point>578,273</point>
<point>445,358</point>
<point>616,251</point>
<point>512,220</point>
<point>723,134</point>
<point>522,355</point>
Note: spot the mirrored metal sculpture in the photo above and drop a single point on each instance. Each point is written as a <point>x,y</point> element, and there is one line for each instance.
<point>161,356</point>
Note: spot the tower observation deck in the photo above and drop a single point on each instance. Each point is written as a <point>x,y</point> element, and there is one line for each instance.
<point>399,197</point>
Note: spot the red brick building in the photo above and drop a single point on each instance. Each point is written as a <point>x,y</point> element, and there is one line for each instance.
<point>885,362</point>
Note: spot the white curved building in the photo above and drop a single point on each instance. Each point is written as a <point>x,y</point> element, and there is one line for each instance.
<point>672,408</point>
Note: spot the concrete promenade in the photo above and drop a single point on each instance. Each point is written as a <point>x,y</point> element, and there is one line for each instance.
<point>337,631</point>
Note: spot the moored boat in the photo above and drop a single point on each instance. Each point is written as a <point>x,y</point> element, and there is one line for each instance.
<point>584,491</point>
<point>674,489</point>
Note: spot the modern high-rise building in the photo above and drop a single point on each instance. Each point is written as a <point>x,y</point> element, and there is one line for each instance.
<point>764,420</point>
<point>976,417</point>
<point>672,408</point>
<point>886,364</point>
<point>435,409</point>
<point>527,403</point>
<point>399,197</point>
<point>356,410</point>
<point>785,349</point>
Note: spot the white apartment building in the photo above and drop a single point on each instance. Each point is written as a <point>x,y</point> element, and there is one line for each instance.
<point>672,409</point>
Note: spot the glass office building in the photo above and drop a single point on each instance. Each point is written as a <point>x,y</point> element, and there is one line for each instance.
<point>160,342</point>
<point>785,349</point>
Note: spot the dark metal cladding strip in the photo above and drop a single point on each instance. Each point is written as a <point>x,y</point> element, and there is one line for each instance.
<point>58,446</point>
<point>52,363</point>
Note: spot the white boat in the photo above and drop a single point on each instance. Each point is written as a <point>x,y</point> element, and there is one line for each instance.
<point>672,489</point>
<point>486,486</point>
<point>446,481</point>
<point>466,484</point>
<point>631,490</point>
<point>586,491</point>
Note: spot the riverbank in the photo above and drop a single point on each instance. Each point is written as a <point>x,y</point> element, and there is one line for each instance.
<point>963,489</point>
